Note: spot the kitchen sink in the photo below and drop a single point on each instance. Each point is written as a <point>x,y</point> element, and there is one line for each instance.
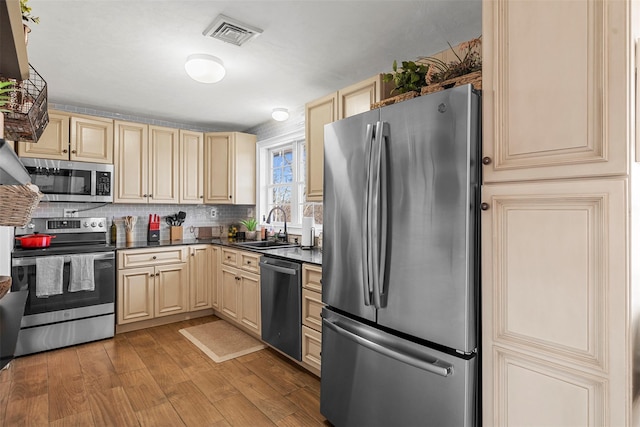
<point>265,244</point>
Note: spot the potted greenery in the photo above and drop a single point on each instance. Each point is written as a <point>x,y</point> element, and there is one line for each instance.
<point>6,90</point>
<point>250,224</point>
<point>411,78</point>
<point>469,64</point>
<point>26,18</point>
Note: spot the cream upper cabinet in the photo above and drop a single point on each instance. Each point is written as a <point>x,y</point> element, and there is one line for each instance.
<point>164,176</point>
<point>191,167</point>
<point>230,168</point>
<point>146,166</point>
<point>558,99</point>
<point>73,137</point>
<point>556,336</point>
<point>317,114</point>
<point>347,102</point>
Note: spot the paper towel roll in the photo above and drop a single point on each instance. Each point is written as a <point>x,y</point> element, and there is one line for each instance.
<point>307,231</point>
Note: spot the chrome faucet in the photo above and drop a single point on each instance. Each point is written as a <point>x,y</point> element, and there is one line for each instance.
<point>286,236</point>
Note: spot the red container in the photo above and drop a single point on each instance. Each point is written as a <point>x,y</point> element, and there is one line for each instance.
<point>35,240</point>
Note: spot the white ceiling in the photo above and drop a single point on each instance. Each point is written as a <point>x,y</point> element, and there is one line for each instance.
<point>128,56</point>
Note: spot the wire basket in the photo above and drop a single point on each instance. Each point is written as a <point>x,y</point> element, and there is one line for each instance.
<point>17,203</point>
<point>27,114</point>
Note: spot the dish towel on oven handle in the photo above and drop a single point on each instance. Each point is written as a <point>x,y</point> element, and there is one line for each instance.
<point>81,277</point>
<point>49,276</point>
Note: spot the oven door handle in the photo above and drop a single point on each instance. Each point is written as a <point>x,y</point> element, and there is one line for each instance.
<point>27,261</point>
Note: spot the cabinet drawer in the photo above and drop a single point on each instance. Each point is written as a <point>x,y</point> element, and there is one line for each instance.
<point>311,277</point>
<point>250,262</point>
<point>311,309</point>
<point>311,347</point>
<point>229,257</point>
<point>150,257</point>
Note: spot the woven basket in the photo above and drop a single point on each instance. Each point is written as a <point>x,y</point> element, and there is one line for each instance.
<point>395,99</point>
<point>17,203</point>
<point>474,78</point>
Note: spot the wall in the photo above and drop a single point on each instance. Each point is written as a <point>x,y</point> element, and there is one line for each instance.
<point>197,215</point>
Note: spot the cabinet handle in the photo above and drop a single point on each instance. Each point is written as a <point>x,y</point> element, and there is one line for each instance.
<point>202,197</point>
<point>151,275</point>
<point>150,195</point>
<point>157,274</point>
<point>486,160</point>
<point>65,151</point>
<point>153,257</point>
<point>248,262</point>
<point>74,151</point>
<point>484,206</point>
<point>145,195</point>
<point>230,196</point>
<point>193,254</point>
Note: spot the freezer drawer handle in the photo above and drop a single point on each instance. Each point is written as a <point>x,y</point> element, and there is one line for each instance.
<point>434,365</point>
<point>284,270</point>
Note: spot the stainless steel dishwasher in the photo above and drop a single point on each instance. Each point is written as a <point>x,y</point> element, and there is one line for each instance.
<point>280,292</point>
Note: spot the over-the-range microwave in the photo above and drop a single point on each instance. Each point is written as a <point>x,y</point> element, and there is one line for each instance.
<point>66,181</point>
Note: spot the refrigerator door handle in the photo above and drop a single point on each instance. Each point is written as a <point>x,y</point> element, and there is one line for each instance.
<point>380,212</point>
<point>425,362</point>
<point>366,226</point>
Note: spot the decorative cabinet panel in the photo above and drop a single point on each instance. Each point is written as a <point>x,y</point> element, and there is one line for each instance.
<point>230,168</point>
<point>135,294</point>
<point>560,121</point>
<point>191,167</point>
<point>216,281</point>
<point>311,317</point>
<point>553,288</point>
<point>73,137</point>
<point>146,166</point>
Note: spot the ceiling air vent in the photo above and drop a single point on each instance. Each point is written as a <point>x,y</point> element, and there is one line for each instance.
<point>231,31</point>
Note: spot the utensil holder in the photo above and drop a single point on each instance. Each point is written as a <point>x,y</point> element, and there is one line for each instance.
<point>175,233</point>
<point>129,236</point>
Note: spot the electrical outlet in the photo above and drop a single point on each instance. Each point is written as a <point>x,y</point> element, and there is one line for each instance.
<point>214,212</point>
<point>250,213</point>
<point>70,213</point>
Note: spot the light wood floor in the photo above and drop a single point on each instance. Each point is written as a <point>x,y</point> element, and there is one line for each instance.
<point>156,377</point>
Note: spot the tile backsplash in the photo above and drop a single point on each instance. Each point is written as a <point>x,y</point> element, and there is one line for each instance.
<point>197,215</point>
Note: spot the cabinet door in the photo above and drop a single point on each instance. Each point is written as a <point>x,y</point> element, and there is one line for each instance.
<point>553,275</point>
<point>559,121</point>
<point>218,150</point>
<point>230,302</point>
<point>358,98</point>
<point>243,173</point>
<point>135,294</point>
<point>191,167</point>
<point>163,165</point>
<point>54,141</point>
<point>250,296</point>
<point>91,139</point>
<point>311,348</point>
<point>216,279</point>
<point>318,113</point>
<point>172,290</point>
<point>131,165</point>
<point>200,269</point>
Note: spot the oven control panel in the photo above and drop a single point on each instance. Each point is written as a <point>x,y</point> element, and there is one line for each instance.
<point>64,225</point>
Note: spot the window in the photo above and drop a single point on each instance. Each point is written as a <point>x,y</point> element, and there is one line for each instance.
<point>281,175</point>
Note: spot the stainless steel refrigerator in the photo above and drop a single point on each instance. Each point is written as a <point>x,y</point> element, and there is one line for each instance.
<point>400,268</point>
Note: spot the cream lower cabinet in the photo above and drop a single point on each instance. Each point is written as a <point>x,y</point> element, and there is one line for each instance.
<point>239,297</point>
<point>201,276</point>
<point>311,317</point>
<point>152,283</point>
<point>73,137</point>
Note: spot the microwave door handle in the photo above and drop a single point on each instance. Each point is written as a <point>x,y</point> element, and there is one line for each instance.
<point>94,182</point>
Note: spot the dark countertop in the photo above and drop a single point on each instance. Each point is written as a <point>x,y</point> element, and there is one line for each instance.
<point>311,256</point>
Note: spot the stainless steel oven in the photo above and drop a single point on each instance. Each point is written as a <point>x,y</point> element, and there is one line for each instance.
<point>69,316</point>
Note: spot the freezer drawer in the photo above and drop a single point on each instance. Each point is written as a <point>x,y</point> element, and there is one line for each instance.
<point>372,378</point>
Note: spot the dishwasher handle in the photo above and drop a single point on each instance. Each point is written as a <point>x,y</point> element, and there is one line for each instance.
<point>290,271</point>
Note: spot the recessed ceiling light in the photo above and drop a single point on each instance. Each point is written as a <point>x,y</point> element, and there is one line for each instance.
<point>204,68</point>
<point>280,114</point>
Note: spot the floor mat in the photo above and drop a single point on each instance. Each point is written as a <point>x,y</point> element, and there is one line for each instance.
<point>221,341</point>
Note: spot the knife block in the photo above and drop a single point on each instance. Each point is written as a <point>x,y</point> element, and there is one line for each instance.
<point>175,233</point>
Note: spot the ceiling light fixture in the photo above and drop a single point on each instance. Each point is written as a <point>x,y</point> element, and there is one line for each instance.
<point>204,68</point>
<point>280,114</point>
